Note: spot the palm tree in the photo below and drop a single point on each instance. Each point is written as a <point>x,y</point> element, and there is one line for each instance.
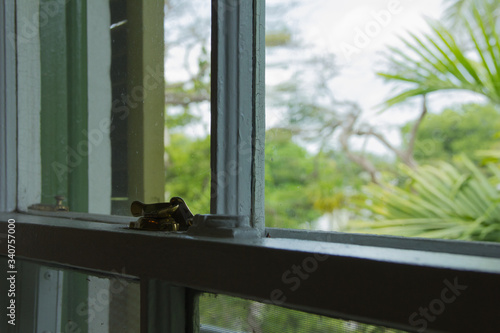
<point>443,201</point>
<point>441,60</point>
<point>459,201</point>
<point>459,11</point>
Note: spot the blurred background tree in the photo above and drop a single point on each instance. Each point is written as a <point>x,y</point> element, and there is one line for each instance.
<point>314,172</point>
<point>458,199</point>
<point>463,129</point>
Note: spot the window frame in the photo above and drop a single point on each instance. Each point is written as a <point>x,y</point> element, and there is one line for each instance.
<point>8,101</point>
<point>256,268</point>
<point>388,277</point>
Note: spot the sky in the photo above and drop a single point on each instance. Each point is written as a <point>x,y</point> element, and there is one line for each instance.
<point>356,33</point>
<point>352,33</point>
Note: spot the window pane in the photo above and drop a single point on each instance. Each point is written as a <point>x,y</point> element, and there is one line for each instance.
<point>187,74</point>
<point>114,104</point>
<point>220,313</point>
<point>63,300</point>
<point>353,145</point>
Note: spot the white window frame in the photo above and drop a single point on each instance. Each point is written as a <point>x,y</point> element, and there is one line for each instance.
<point>381,280</point>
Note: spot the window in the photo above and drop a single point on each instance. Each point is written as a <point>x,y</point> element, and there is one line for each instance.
<point>409,284</point>
<point>343,154</point>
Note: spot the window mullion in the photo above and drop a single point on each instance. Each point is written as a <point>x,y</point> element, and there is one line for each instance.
<point>77,107</point>
<point>163,307</point>
<point>237,117</point>
<point>259,116</point>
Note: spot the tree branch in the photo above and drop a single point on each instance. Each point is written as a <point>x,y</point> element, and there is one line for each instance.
<point>414,130</point>
<point>406,155</point>
<point>382,139</point>
<point>360,160</point>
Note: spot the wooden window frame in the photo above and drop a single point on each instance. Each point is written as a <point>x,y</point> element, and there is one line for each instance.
<point>381,280</point>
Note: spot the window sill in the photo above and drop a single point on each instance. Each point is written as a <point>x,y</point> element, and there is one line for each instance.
<point>370,283</point>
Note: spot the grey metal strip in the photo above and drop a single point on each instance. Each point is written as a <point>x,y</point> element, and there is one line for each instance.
<point>483,249</point>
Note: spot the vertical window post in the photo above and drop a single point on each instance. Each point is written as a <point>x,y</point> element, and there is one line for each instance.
<point>146,91</point>
<point>237,146</point>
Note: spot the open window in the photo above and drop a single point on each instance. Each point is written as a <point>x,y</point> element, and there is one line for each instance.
<point>66,123</point>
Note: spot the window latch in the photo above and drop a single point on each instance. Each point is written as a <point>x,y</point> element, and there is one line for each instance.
<point>58,207</point>
<point>165,216</point>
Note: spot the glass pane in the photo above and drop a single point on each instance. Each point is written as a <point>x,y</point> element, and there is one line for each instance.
<point>46,299</point>
<point>114,104</point>
<point>353,144</point>
<point>187,130</point>
<point>220,313</point>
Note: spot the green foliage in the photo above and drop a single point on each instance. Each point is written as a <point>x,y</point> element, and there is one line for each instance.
<point>337,182</point>
<point>437,61</point>
<point>444,201</point>
<point>489,156</point>
<point>240,315</point>
<point>288,172</point>
<point>188,171</point>
<point>180,119</point>
<point>464,129</point>
<point>300,187</point>
<point>459,11</point>
<point>278,38</point>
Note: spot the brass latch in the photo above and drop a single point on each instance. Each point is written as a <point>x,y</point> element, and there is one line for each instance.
<point>165,216</point>
<point>58,207</point>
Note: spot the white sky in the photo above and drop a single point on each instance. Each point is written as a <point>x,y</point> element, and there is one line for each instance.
<point>357,32</point>
<point>367,27</point>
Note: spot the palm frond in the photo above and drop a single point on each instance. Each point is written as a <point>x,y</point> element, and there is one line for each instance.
<point>438,61</point>
<point>458,12</point>
<point>443,201</point>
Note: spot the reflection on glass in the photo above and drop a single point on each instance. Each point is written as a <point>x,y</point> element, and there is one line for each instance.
<point>220,312</point>
<point>114,105</point>
<point>63,300</point>
<point>382,117</point>
<point>160,141</point>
